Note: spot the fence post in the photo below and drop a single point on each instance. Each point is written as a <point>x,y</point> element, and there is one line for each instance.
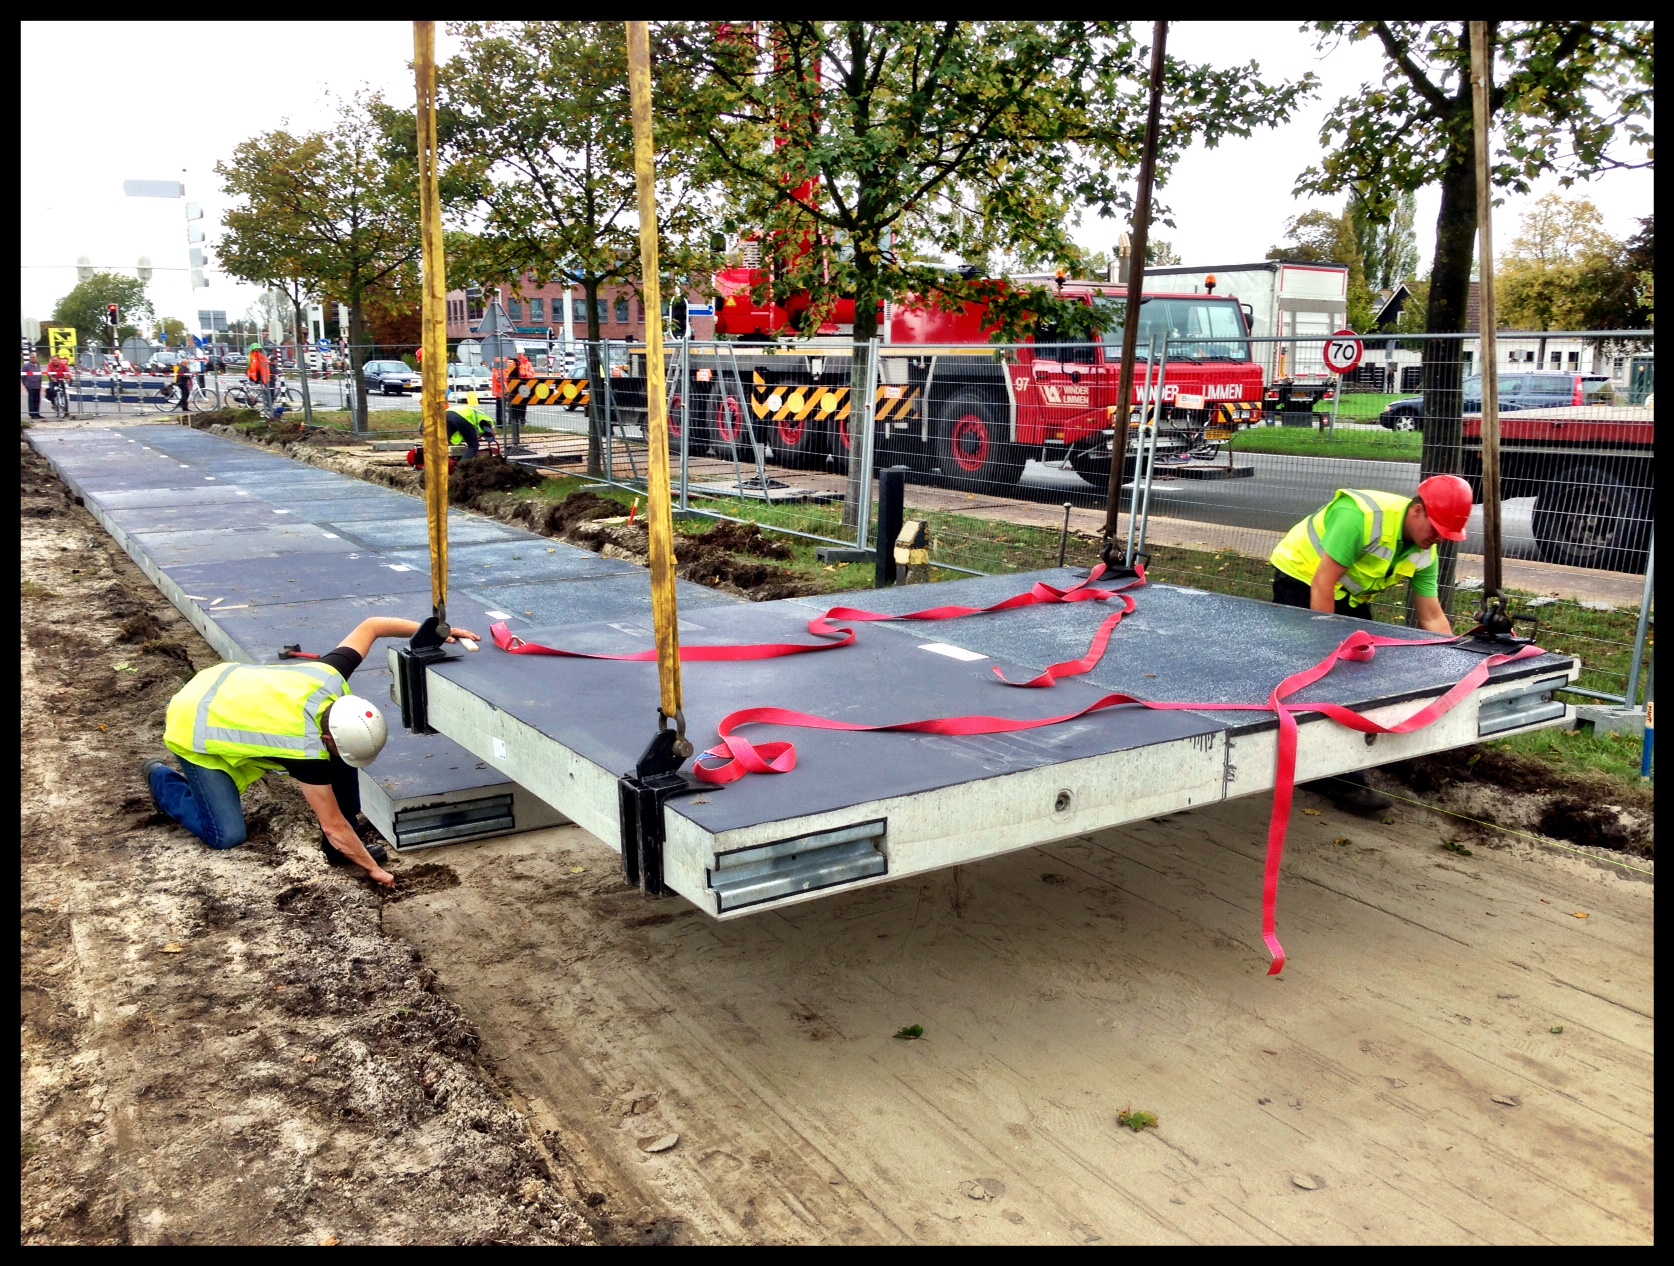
<point>1151,465</point>
<point>685,418</point>
<point>862,444</point>
<point>1120,460</point>
<point>1641,631</point>
<point>892,496</point>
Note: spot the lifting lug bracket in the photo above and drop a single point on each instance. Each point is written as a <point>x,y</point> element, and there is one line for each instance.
<point>641,795</point>
<point>428,646</point>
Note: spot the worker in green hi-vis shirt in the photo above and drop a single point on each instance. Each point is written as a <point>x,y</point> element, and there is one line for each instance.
<point>1340,557</point>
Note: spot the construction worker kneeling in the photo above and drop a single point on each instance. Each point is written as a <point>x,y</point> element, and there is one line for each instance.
<point>233,723</point>
<point>1364,542</point>
<point>467,424</point>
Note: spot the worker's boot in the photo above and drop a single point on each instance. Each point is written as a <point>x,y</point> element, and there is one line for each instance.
<point>1354,793</point>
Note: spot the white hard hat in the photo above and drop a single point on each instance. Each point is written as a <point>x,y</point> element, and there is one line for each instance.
<point>358,729</point>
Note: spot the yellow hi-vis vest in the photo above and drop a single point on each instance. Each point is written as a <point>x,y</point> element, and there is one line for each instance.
<point>471,414</point>
<point>242,718</point>
<point>1383,517</point>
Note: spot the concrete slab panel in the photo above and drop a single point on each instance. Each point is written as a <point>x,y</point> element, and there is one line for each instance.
<point>410,531</point>
<point>300,578</point>
<point>561,602</point>
<point>517,562</point>
<point>174,549</point>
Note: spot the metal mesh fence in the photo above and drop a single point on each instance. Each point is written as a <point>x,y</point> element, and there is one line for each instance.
<point>1008,449</point>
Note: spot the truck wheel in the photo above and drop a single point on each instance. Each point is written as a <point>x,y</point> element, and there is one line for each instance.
<point>726,415</point>
<point>972,447</point>
<point>795,440</point>
<point>1586,517</point>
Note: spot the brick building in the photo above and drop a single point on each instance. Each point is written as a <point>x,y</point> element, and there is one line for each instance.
<point>536,308</point>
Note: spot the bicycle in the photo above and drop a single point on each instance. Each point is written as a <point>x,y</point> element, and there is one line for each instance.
<point>201,399</point>
<point>248,395</point>
<point>59,393</point>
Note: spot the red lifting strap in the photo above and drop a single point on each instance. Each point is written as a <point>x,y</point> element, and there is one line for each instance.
<point>735,756</point>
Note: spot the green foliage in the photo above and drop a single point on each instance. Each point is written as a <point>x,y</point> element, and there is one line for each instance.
<point>1548,279</point>
<point>1575,98</point>
<point>536,136</point>
<point>1385,234</point>
<point>855,149</point>
<point>911,1033</point>
<point>1366,446</point>
<point>1135,1120</point>
<point>85,307</point>
<point>332,215</point>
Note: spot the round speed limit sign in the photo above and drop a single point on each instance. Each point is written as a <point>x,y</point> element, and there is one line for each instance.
<point>1343,351</point>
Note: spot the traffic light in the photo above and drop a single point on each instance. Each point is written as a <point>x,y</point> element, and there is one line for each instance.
<point>112,316</point>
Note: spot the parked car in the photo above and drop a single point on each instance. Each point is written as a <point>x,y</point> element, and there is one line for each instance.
<point>465,380</point>
<point>1517,391</point>
<point>162,362</point>
<point>391,377</point>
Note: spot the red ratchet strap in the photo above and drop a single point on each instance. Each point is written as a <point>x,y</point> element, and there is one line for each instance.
<point>738,756</point>
<point>821,626</point>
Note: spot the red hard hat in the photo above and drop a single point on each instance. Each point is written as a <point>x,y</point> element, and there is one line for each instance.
<point>1447,500</point>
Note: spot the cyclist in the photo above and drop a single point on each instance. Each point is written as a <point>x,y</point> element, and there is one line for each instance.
<point>58,380</point>
<point>260,374</point>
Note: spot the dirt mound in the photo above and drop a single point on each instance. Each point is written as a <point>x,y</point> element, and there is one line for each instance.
<point>744,538</point>
<point>579,507</point>
<point>223,1047</point>
<point>478,475</point>
<point>1504,789</point>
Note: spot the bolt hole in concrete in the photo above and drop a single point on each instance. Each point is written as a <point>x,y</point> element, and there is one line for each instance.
<point>1063,802</point>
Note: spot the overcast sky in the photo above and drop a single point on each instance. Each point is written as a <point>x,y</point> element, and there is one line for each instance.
<point>187,92</point>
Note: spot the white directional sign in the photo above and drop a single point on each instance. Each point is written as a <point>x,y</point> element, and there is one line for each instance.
<point>1343,351</point>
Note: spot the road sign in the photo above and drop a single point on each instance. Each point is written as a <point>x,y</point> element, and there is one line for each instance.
<point>325,345</point>
<point>1343,351</point>
<point>32,329</point>
<point>62,341</point>
<point>705,310</point>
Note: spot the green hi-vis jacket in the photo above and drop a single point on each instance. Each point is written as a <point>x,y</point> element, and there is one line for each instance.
<point>1383,516</point>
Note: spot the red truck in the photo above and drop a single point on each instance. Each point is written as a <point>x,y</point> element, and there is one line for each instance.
<point>1592,472</point>
<point>949,400</point>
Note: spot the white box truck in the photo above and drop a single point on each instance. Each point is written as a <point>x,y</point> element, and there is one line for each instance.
<point>1295,302</point>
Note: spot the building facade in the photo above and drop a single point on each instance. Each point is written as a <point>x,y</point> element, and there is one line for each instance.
<point>535,307</point>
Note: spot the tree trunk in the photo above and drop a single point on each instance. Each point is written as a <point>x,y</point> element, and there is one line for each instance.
<point>302,367</point>
<point>595,381</point>
<point>1448,312</point>
<point>357,359</point>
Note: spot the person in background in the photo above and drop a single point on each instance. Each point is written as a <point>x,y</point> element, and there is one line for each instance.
<point>58,376</point>
<point>32,383</point>
<point>260,372</point>
<point>183,383</point>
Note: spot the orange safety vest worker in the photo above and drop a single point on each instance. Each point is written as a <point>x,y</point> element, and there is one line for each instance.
<point>261,369</point>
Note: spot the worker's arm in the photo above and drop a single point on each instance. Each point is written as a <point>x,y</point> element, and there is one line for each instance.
<point>1322,594</point>
<point>371,629</point>
<point>1431,617</point>
<point>323,801</point>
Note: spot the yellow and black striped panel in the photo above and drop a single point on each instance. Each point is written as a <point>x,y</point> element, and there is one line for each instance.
<point>546,390</point>
<point>1227,418</point>
<point>802,403</point>
<point>897,404</point>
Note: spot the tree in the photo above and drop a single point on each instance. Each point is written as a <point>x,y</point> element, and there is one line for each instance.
<point>1386,237</point>
<point>1547,279</point>
<point>86,305</point>
<point>853,148</point>
<point>172,332</point>
<point>536,137</point>
<point>336,211</point>
<point>1623,293</point>
<point>1322,238</point>
<point>1571,98</point>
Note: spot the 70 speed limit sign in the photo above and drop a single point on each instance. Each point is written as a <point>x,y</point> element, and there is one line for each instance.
<point>1343,351</point>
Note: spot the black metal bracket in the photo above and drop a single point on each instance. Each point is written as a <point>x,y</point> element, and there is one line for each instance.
<point>1496,623</point>
<point>1111,554</point>
<point>641,796</point>
<point>428,646</point>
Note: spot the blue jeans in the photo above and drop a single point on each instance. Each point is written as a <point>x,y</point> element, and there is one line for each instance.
<point>204,801</point>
